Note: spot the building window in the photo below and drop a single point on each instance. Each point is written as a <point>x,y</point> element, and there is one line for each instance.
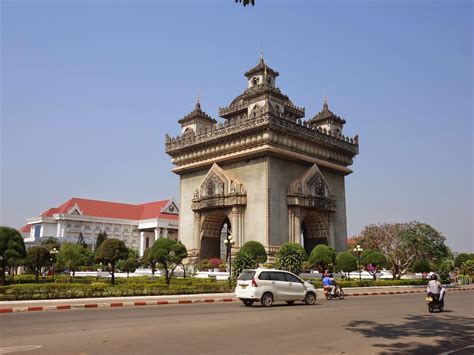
<point>37,231</point>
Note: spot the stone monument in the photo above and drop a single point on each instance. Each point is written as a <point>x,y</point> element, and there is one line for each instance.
<point>264,173</point>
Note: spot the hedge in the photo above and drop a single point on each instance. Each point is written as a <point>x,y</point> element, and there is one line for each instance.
<point>100,289</point>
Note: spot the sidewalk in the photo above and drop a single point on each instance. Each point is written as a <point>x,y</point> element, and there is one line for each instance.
<point>111,302</point>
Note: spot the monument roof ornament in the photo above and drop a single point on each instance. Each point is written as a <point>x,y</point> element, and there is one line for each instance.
<point>197,113</point>
<point>261,67</point>
<point>326,114</point>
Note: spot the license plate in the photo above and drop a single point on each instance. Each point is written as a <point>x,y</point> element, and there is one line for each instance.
<point>243,286</point>
<point>429,299</point>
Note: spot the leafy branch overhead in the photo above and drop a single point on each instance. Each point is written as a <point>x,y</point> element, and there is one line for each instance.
<point>246,2</point>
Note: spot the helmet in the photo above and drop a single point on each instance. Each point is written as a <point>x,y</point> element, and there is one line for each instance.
<point>434,277</point>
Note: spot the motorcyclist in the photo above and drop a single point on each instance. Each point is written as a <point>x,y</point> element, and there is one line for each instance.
<point>329,283</point>
<point>434,288</point>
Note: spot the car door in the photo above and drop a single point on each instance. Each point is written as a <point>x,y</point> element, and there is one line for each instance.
<point>296,289</point>
<point>280,286</point>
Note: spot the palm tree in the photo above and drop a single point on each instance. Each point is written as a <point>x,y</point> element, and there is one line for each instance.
<point>246,2</point>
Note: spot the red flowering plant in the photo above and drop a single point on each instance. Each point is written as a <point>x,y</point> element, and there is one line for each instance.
<point>215,262</point>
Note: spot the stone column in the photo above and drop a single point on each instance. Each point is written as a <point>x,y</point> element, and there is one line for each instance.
<point>297,227</point>
<point>58,229</point>
<point>291,225</point>
<point>331,230</point>
<point>197,231</point>
<point>142,243</point>
<point>235,226</point>
<point>157,233</point>
<point>165,233</point>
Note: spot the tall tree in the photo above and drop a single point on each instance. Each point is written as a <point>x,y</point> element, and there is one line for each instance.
<point>12,249</point>
<point>148,261</point>
<point>81,241</point>
<point>403,244</point>
<point>110,252</point>
<point>72,256</point>
<point>50,243</point>
<point>168,254</point>
<point>100,239</point>
<point>246,2</point>
<point>38,257</point>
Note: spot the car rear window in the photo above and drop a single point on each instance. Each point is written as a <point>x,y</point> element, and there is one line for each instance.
<point>246,275</point>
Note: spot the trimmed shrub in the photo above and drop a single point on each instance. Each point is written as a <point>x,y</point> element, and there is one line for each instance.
<point>256,250</point>
<point>241,262</point>
<point>290,257</point>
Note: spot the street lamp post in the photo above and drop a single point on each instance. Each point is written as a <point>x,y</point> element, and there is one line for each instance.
<point>229,243</point>
<point>358,250</point>
<point>52,254</point>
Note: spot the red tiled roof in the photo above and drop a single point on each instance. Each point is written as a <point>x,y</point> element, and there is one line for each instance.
<point>26,228</point>
<point>108,209</point>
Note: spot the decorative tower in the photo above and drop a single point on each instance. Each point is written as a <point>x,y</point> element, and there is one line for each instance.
<point>262,174</point>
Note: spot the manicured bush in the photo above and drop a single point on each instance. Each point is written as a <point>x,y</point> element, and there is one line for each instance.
<point>290,257</point>
<point>256,250</point>
<point>203,265</point>
<point>346,262</point>
<point>322,256</point>
<point>241,262</point>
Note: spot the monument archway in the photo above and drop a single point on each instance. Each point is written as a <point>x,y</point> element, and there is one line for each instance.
<point>215,228</point>
<point>313,231</point>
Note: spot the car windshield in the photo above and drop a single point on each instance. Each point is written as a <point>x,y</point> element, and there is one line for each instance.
<point>246,275</point>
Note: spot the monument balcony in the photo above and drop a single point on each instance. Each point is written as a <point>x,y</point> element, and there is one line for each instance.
<point>232,109</point>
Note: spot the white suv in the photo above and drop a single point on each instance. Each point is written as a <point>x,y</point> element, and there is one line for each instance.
<point>267,286</point>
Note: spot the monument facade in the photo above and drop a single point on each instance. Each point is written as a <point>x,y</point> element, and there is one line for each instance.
<point>264,173</point>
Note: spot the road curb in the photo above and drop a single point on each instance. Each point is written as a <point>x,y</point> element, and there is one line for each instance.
<point>65,307</point>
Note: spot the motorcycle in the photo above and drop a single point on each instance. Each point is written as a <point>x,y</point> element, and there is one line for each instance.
<point>434,302</point>
<point>338,293</point>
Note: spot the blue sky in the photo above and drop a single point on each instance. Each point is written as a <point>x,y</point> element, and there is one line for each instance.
<point>90,88</point>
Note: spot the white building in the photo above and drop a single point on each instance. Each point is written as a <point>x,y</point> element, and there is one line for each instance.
<point>137,225</point>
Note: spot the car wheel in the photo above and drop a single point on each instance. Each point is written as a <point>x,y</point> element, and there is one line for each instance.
<point>290,302</point>
<point>310,298</point>
<point>267,299</point>
<point>248,303</point>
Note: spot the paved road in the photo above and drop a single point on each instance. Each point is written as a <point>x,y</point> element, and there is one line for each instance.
<point>359,325</point>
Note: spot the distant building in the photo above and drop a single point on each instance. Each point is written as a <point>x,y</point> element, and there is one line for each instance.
<point>137,225</point>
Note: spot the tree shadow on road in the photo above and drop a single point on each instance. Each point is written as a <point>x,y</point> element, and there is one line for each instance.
<point>447,333</point>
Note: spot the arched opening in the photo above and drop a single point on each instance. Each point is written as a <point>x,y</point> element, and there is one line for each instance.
<point>215,229</point>
<point>313,231</point>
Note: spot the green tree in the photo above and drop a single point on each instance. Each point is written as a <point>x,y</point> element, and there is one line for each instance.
<point>461,258</point>
<point>422,266</point>
<point>243,260</point>
<point>36,258</point>
<point>72,256</point>
<point>168,254</point>
<point>148,261</point>
<point>50,243</point>
<point>444,268</point>
<point>81,241</point>
<point>403,244</point>
<point>110,252</point>
<point>346,262</point>
<point>322,256</point>
<point>256,250</point>
<point>372,261</point>
<point>128,265</point>
<point>100,239</point>
<point>290,257</point>
<point>468,267</point>
<point>12,249</point>
<point>246,2</point>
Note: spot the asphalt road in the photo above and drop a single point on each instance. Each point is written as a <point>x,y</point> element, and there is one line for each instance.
<point>358,325</point>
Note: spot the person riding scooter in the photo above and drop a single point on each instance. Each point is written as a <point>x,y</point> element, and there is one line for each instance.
<point>435,289</point>
<point>329,284</point>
